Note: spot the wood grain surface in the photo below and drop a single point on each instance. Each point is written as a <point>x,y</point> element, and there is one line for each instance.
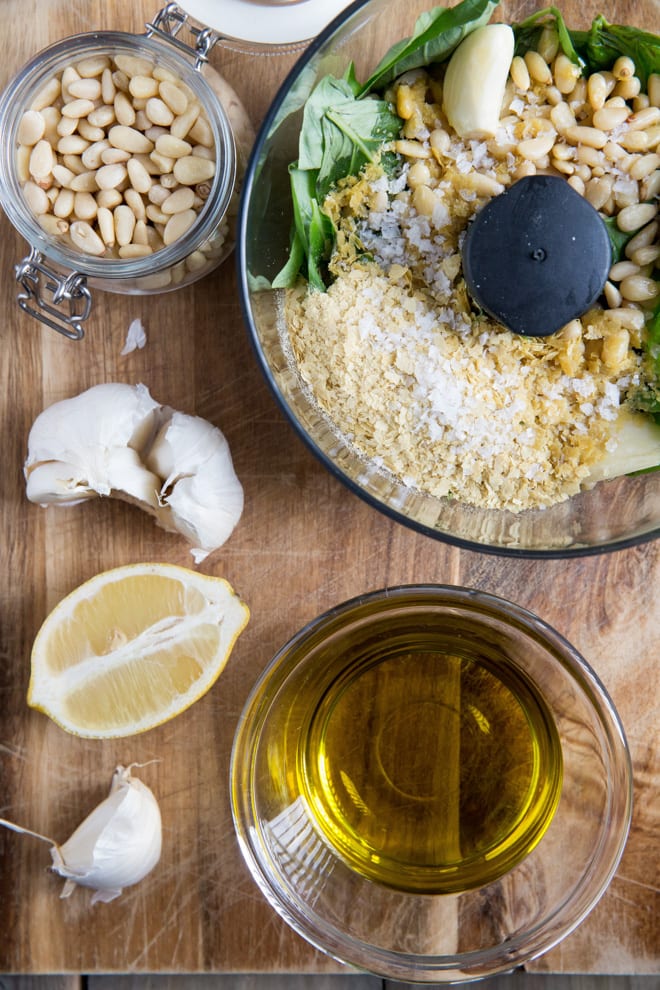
<point>304,543</point>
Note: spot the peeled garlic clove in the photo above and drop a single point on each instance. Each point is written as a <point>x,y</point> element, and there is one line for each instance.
<point>126,473</point>
<point>475,80</point>
<point>116,845</point>
<point>200,486</point>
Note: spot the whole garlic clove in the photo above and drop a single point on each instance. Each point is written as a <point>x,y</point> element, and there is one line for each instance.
<point>200,486</point>
<point>118,843</point>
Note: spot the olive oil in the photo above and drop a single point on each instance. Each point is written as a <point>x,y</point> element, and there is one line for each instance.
<point>427,766</point>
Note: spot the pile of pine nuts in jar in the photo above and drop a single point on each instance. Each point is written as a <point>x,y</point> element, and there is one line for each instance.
<point>116,156</point>
<point>601,132</point>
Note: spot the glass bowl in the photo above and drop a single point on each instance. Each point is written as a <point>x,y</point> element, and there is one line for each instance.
<point>430,784</point>
<point>614,514</point>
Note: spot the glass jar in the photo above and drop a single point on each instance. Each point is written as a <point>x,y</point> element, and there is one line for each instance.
<point>56,277</point>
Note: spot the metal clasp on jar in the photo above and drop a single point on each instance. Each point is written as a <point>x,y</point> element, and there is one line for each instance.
<point>62,302</point>
<point>168,23</point>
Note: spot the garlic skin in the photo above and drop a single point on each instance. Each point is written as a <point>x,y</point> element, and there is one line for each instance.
<point>116,440</point>
<point>200,488</point>
<point>118,843</point>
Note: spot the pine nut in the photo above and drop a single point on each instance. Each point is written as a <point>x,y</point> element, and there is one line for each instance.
<point>566,73</point>
<point>591,136</point>
<point>138,176</point>
<point>124,224</point>
<point>183,123</point>
<point>192,170</point>
<point>90,133</point>
<point>642,238</point>
<point>628,88</point>
<point>85,238</point>
<point>77,108</point>
<point>36,198</point>
<point>169,181</point>
<point>141,233</point>
<point>562,117</point>
<point>92,66</point>
<point>519,73</point>
<point>196,261</point>
<point>134,251</point>
<point>409,149</point>
<point>73,144</point>
<point>103,116</point>
<point>108,198</point>
<point>143,87</point>
<point>177,226</point>
<point>128,139</point>
<point>622,269</point>
<point>86,89</point>
<point>42,160</point>
<point>623,68</point>
<point>632,319</point>
<point>133,199</point>
<point>31,128</point>
<point>156,215</point>
<point>161,162</point>
<point>113,156</point>
<point>607,118</point>
<point>637,288</point>
<point>172,147</point>
<point>133,65</point>
<point>576,183</point>
<point>53,226</point>
<point>636,216</point>
<point>644,166</point>
<point>173,96</point>
<point>85,182</point>
<point>439,141</point>
<point>612,295</point>
<point>108,88</point>
<point>598,191</point>
<point>158,112</point>
<point>537,67</point>
<point>66,126</point>
<point>201,133</point>
<point>111,176</point>
<point>85,206</point>
<point>597,90</point>
<point>106,225</point>
<point>178,201</point>
<point>47,95</point>
<point>423,200</point>
<point>124,110</point>
<point>535,148</point>
<point>63,176</point>
<point>548,43</point>
<point>646,255</point>
<point>650,188</point>
<point>158,194</point>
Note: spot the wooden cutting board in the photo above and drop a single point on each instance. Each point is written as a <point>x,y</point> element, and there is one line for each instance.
<point>304,543</point>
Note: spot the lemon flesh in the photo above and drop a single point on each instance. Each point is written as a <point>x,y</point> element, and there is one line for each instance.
<point>133,647</point>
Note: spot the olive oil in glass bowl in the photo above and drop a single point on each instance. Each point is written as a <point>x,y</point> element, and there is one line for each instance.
<point>430,784</point>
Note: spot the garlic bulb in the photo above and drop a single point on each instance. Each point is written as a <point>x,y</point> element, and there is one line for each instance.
<point>115,846</point>
<point>115,440</point>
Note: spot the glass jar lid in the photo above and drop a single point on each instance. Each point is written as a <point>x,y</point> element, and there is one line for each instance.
<point>265,22</point>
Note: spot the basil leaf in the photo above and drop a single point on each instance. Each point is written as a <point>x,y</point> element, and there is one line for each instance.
<point>618,238</point>
<point>288,275</point>
<point>353,134</point>
<point>436,34</point>
<point>330,92</point>
<point>603,43</point>
<point>527,33</point>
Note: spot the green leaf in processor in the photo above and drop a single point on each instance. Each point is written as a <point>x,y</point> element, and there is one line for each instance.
<point>603,43</point>
<point>436,34</point>
<point>528,32</point>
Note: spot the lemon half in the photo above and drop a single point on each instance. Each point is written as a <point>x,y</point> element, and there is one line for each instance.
<point>133,647</point>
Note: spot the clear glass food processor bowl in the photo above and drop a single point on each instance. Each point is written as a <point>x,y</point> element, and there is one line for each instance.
<point>614,514</point>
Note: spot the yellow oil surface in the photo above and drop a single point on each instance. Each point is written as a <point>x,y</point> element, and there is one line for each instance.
<point>428,770</point>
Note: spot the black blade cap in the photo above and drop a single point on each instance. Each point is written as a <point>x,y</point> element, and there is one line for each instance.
<point>536,256</point>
